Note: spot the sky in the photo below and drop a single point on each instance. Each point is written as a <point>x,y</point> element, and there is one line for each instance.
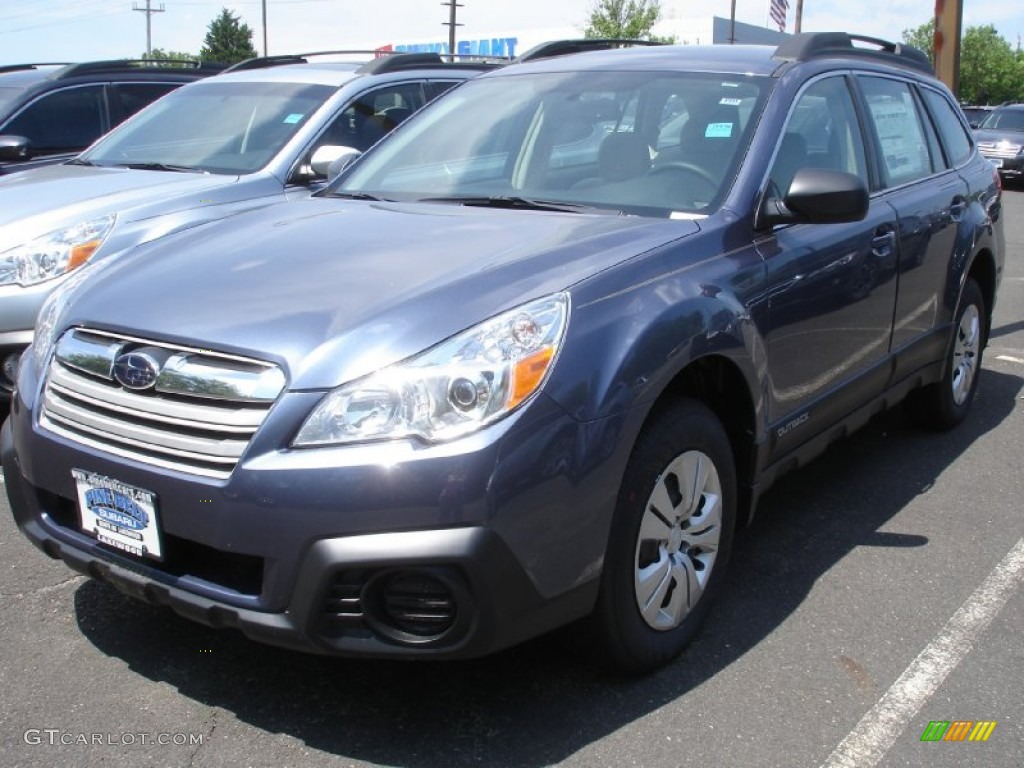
<point>80,30</point>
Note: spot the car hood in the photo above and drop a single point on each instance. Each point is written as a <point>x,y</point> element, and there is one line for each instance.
<point>332,290</point>
<point>1010,137</point>
<point>44,199</point>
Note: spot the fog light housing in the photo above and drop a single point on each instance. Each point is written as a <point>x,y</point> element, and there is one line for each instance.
<point>9,369</point>
<point>416,606</point>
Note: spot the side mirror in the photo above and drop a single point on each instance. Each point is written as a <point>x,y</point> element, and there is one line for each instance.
<point>330,160</point>
<point>14,148</point>
<point>815,196</point>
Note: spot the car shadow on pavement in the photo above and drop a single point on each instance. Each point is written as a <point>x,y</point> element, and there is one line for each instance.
<point>539,703</point>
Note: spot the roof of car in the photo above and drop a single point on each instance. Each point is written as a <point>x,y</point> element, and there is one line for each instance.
<point>745,59</point>
<point>753,59</point>
<point>302,68</point>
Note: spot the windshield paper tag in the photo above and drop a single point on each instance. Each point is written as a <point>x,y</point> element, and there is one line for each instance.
<point>293,118</point>
<point>718,131</point>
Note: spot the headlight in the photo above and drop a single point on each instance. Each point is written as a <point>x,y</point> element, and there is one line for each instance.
<point>464,383</point>
<point>54,254</point>
<point>46,323</point>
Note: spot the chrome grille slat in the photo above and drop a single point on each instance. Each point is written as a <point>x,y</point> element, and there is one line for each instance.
<point>195,415</point>
<point>138,434</point>
<point>994,149</point>
<point>188,430</point>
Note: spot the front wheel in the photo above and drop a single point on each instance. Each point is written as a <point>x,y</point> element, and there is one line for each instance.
<point>670,540</point>
<point>945,404</point>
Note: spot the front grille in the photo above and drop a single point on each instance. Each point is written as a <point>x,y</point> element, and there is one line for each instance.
<point>196,412</point>
<point>999,150</point>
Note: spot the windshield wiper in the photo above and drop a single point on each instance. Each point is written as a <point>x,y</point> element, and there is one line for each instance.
<point>80,161</point>
<point>159,167</point>
<point>521,203</point>
<point>352,195</point>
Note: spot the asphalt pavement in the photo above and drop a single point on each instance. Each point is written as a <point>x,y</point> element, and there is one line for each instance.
<point>878,592</point>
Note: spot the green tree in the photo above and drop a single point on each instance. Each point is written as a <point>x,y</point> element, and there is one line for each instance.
<point>186,59</point>
<point>631,19</point>
<point>227,40</point>
<point>990,71</point>
<point>922,37</point>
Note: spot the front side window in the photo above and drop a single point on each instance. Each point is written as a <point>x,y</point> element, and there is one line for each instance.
<point>901,134</point>
<point>639,142</point>
<point>822,132</point>
<point>7,98</point>
<point>67,120</point>
<point>373,115</point>
<point>226,127</point>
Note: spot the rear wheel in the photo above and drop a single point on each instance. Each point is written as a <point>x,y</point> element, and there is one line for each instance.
<point>945,404</point>
<point>670,540</point>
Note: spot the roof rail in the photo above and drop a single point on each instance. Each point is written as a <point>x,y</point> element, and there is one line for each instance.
<point>261,62</point>
<point>563,47</point>
<point>395,62</point>
<point>33,65</point>
<point>121,65</point>
<point>809,45</point>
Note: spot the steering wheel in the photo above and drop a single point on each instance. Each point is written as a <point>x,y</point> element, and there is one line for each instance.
<point>681,167</point>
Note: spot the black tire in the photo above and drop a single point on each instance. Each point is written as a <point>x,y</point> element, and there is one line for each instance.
<point>685,542</point>
<point>944,404</point>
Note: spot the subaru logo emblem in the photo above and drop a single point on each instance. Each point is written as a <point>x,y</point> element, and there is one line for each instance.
<point>136,370</point>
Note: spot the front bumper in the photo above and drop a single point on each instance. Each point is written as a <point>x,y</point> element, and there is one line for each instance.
<point>308,549</point>
<point>1009,168</point>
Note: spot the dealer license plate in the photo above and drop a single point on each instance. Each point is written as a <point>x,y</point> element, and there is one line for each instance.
<point>118,515</point>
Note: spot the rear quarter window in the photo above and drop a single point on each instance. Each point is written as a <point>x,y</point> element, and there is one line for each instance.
<point>955,139</point>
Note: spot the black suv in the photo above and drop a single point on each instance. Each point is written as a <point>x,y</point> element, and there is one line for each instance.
<point>1000,138</point>
<point>531,359</point>
<point>50,112</point>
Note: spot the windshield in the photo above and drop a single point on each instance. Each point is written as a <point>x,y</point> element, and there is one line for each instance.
<point>217,127</point>
<point>1005,120</point>
<point>634,142</point>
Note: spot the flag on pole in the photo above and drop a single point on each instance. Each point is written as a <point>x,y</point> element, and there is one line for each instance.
<point>777,12</point>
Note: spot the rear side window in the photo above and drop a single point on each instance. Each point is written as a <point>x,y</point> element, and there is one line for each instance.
<point>131,97</point>
<point>954,136</point>
<point>62,121</point>
<point>902,136</point>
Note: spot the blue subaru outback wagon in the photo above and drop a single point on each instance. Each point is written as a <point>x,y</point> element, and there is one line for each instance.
<point>530,360</point>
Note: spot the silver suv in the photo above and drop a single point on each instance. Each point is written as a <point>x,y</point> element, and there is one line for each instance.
<point>264,132</point>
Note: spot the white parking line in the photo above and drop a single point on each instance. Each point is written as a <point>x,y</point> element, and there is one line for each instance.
<point>1008,359</point>
<point>879,728</point>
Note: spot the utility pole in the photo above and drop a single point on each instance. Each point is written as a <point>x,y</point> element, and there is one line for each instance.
<point>451,24</point>
<point>149,11</point>
<point>264,27</point>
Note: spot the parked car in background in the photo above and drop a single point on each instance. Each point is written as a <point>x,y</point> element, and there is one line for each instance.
<point>483,386</point>
<point>264,132</point>
<point>975,114</point>
<point>51,112</point>
<point>1001,139</point>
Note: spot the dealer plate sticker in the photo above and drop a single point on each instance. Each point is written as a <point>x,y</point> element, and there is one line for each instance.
<point>118,515</point>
